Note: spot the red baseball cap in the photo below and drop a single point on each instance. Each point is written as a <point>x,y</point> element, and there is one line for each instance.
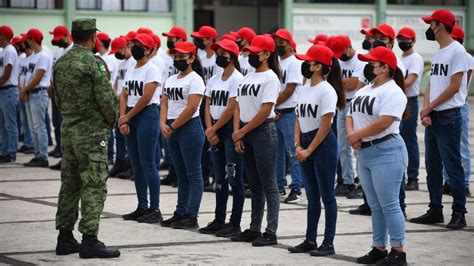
<point>319,39</point>
<point>260,43</point>
<point>457,33</point>
<point>23,37</point>
<point>102,36</point>
<point>145,39</point>
<point>227,45</point>
<point>293,44</point>
<point>385,29</point>
<point>205,32</point>
<point>284,34</point>
<point>234,33</point>
<point>144,30</point>
<point>15,41</point>
<point>156,39</point>
<point>184,48</point>
<point>441,15</point>
<point>117,43</point>
<point>6,31</point>
<point>98,45</point>
<point>59,32</point>
<point>338,44</point>
<point>318,53</point>
<point>380,54</point>
<point>130,35</point>
<point>407,33</point>
<point>35,34</point>
<point>176,32</point>
<point>366,32</point>
<point>228,36</point>
<point>247,34</point>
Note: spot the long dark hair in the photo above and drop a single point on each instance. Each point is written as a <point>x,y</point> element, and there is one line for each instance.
<point>274,65</point>
<point>397,76</point>
<point>235,59</point>
<point>334,78</point>
<point>196,66</point>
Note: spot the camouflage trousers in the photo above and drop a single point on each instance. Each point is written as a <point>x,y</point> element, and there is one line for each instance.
<point>84,174</point>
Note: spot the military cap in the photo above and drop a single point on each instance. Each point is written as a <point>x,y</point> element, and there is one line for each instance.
<point>84,24</point>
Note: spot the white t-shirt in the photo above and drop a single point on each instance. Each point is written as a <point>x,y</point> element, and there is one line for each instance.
<point>201,53</point>
<point>178,90</point>
<point>124,66</point>
<point>245,67</point>
<point>446,62</point>
<point>220,92</point>
<point>352,68</point>
<point>470,60</point>
<point>112,65</point>
<point>256,89</point>
<point>9,56</point>
<point>57,54</point>
<point>136,80</point>
<point>209,67</point>
<point>169,69</point>
<point>313,103</point>
<point>414,65</point>
<point>23,70</point>
<point>160,64</point>
<point>370,103</point>
<point>41,60</point>
<point>291,73</point>
<point>65,50</point>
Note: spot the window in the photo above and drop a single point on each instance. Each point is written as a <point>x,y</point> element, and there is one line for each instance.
<point>35,4</point>
<point>125,5</point>
<point>428,2</point>
<point>337,1</point>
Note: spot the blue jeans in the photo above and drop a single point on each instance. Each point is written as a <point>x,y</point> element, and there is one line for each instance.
<point>345,149</point>
<point>228,169</point>
<point>286,141</point>
<point>185,147</point>
<point>141,145</point>
<point>442,142</point>
<point>36,106</point>
<point>27,139</point>
<point>120,147</point>
<point>8,121</point>
<point>408,133</point>
<point>319,172</point>
<point>259,162</point>
<point>381,169</point>
<point>465,147</point>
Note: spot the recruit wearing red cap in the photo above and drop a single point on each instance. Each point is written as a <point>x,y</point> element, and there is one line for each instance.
<point>406,32</point>
<point>247,34</point>
<point>145,39</point>
<point>457,33</point>
<point>184,48</point>
<point>6,31</point>
<point>227,45</point>
<point>283,34</point>
<point>117,43</point>
<point>384,29</point>
<point>366,32</point>
<point>441,15</point>
<point>260,43</point>
<point>130,35</point>
<point>177,32</point>
<point>102,36</point>
<point>59,32</point>
<point>35,34</point>
<point>205,32</point>
<point>319,39</point>
<point>318,53</point>
<point>15,41</point>
<point>156,39</point>
<point>338,44</point>
<point>380,54</point>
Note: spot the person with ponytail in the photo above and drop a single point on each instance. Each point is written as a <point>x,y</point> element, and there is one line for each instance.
<point>316,143</point>
<point>181,126</point>
<point>221,93</point>
<point>372,125</point>
<point>255,136</point>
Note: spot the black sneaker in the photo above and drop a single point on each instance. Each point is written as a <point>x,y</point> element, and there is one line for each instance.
<point>346,189</point>
<point>323,250</point>
<point>394,258</point>
<point>432,216</point>
<point>212,228</point>
<point>7,158</point>
<point>302,248</point>
<point>67,244</point>
<point>372,257</point>
<point>468,192</point>
<point>37,162</point>
<point>294,196</point>
<point>56,166</point>
<point>209,187</point>
<point>163,166</point>
<point>229,230</point>
<point>412,185</point>
<point>248,193</point>
<point>246,236</point>
<point>356,193</point>
<point>26,150</point>
<point>133,216</point>
<point>119,167</point>
<point>266,239</point>
<point>169,222</point>
<point>169,179</point>
<point>339,186</point>
<point>127,174</point>
<point>282,194</point>
<point>91,247</point>
<point>458,221</point>
<point>151,217</point>
<point>447,189</point>
<point>186,223</point>
<point>363,209</point>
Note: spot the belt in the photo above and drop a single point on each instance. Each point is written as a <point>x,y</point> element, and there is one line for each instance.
<point>412,97</point>
<point>377,141</point>
<point>447,111</point>
<point>37,90</point>
<point>7,87</point>
<point>285,110</point>
<point>269,120</point>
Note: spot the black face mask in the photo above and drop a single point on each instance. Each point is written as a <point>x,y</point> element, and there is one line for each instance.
<point>366,45</point>
<point>281,50</point>
<point>222,61</point>
<point>199,43</point>
<point>240,45</point>
<point>461,41</point>
<point>378,43</point>
<point>94,51</point>
<point>27,45</point>
<point>254,60</point>
<point>55,43</point>
<point>138,52</point>
<point>62,44</point>
<point>344,58</point>
<point>430,35</point>
<point>305,70</point>
<point>369,72</point>
<point>21,48</point>
<point>181,65</point>
<point>404,46</point>
<point>170,44</point>
<point>119,56</point>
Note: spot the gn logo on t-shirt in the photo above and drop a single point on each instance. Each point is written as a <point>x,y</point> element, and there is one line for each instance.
<point>219,98</point>
<point>306,110</point>
<point>134,87</point>
<point>439,70</point>
<point>363,104</point>
<point>174,94</point>
<point>249,90</point>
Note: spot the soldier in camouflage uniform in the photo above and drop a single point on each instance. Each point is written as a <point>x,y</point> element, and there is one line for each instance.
<point>89,109</point>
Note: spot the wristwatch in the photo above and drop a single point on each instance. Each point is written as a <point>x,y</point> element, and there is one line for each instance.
<point>297,145</point>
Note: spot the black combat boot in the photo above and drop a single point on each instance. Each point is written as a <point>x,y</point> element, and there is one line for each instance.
<point>67,244</point>
<point>91,247</point>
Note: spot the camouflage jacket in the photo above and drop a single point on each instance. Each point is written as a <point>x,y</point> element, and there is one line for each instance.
<point>83,94</point>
